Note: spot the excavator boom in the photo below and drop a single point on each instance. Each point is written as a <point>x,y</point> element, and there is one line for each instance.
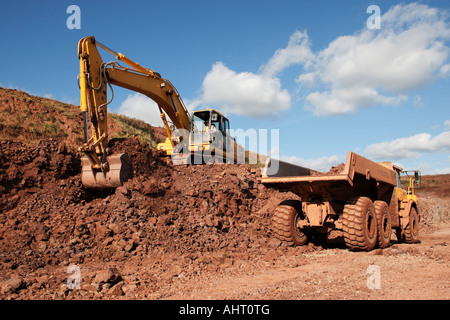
<point>99,169</point>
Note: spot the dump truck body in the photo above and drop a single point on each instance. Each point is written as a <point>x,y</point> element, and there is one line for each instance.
<point>363,200</point>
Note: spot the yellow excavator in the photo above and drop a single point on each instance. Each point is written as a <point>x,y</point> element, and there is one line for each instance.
<point>202,137</point>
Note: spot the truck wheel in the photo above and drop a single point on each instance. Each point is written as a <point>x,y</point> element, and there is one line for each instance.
<point>412,229</point>
<point>384,223</point>
<point>359,223</point>
<point>284,225</point>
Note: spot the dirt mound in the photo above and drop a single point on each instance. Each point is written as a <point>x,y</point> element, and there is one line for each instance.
<point>433,210</point>
<point>435,185</point>
<point>145,160</point>
<point>333,171</point>
<point>49,219</point>
<point>27,169</point>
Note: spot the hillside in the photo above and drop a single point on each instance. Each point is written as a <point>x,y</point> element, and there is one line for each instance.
<point>438,185</point>
<point>28,119</point>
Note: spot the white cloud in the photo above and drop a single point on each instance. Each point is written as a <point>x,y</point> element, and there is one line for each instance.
<point>255,94</point>
<point>366,69</point>
<point>380,67</point>
<point>447,123</point>
<point>410,147</point>
<point>445,71</point>
<point>424,167</point>
<point>243,93</point>
<point>439,171</point>
<point>297,52</point>
<point>346,100</point>
<point>141,107</point>
<point>322,164</point>
<point>191,104</point>
<point>418,102</point>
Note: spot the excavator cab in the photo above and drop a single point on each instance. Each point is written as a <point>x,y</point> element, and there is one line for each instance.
<point>209,141</point>
<point>209,134</point>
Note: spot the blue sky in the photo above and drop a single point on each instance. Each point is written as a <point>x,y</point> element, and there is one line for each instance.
<point>312,69</point>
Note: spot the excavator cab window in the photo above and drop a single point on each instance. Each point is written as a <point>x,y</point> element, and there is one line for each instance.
<point>200,120</point>
<point>416,178</point>
<point>215,121</point>
<point>207,122</point>
<point>226,125</point>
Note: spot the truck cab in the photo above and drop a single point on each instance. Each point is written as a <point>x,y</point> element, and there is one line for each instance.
<point>408,193</point>
<point>408,206</point>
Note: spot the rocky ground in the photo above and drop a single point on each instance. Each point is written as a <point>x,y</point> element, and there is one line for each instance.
<point>186,232</point>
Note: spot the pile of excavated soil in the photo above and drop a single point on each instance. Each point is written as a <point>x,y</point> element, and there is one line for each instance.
<point>333,171</point>
<point>49,219</point>
<point>434,211</point>
<point>26,170</point>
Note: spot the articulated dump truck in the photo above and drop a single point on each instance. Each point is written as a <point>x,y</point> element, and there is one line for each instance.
<point>365,200</point>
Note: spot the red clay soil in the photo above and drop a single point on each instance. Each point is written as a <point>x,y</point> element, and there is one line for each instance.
<point>49,220</point>
<point>183,232</point>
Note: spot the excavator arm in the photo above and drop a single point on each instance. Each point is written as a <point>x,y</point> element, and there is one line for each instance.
<point>101,170</point>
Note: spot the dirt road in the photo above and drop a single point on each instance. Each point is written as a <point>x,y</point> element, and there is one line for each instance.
<point>404,271</point>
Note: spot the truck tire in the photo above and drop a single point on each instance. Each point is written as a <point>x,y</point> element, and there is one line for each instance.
<point>284,225</point>
<point>359,224</point>
<point>411,234</point>
<point>384,223</point>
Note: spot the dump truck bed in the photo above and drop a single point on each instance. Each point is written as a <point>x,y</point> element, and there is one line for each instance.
<point>359,173</point>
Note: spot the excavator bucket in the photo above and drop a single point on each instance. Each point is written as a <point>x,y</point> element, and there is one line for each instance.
<point>120,170</point>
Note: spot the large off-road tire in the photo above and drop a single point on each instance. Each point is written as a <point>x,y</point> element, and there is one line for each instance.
<point>411,234</point>
<point>384,223</point>
<point>284,225</point>
<point>359,224</point>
